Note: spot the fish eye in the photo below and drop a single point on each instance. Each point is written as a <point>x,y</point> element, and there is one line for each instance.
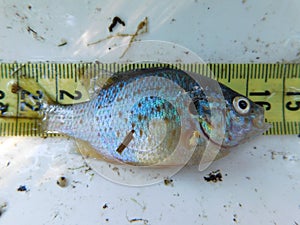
<point>241,105</point>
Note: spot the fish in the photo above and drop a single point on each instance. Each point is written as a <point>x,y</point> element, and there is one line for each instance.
<point>159,116</point>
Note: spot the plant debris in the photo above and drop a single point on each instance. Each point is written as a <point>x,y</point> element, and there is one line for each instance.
<point>141,29</point>
<point>140,204</point>
<point>35,34</point>
<point>138,220</point>
<point>214,176</point>
<point>22,188</point>
<point>63,43</point>
<point>116,20</point>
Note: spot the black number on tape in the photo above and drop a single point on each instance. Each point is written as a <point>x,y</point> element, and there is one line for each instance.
<point>290,106</point>
<point>35,97</point>
<point>77,95</point>
<point>35,104</point>
<point>265,93</point>
<point>36,107</point>
<point>2,95</point>
<point>3,108</point>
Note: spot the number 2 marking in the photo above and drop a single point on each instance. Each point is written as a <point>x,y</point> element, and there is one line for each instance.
<point>77,95</point>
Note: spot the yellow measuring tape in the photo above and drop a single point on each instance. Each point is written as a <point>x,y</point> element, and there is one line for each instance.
<point>274,86</point>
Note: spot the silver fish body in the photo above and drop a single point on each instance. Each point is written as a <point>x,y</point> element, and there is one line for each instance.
<point>152,116</point>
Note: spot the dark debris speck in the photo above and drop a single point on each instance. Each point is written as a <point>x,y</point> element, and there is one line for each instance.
<point>235,218</point>
<point>22,188</point>
<point>3,208</point>
<point>62,181</point>
<point>145,221</point>
<point>116,20</point>
<point>214,176</point>
<point>105,206</point>
<point>168,182</point>
<point>62,43</point>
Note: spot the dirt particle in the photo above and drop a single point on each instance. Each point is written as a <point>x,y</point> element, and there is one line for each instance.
<point>105,206</point>
<point>15,88</point>
<point>29,7</point>
<point>235,218</point>
<point>168,182</point>
<point>273,154</point>
<point>214,176</point>
<point>22,188</point>
<point>63,42</point>
<point>62,181</point>
<point>3,207</point>
<point>116,169</point>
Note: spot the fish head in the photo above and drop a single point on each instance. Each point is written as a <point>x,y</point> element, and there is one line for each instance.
<point>241,119</point>
<point>244,119</point>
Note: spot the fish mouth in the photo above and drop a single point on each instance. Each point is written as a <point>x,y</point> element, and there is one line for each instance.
<point>258,121</point>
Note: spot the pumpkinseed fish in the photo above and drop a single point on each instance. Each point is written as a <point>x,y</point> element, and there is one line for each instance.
<point>158,116</point>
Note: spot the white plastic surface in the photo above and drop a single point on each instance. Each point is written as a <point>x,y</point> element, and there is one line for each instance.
<point>261,179</point>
